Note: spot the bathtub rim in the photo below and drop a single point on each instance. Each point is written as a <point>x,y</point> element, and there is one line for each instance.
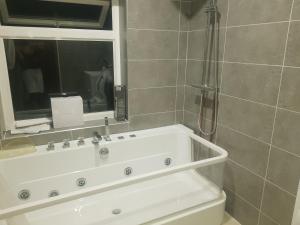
<point>44,203</point>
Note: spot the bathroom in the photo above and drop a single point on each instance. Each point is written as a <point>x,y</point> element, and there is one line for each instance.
<point>149,79</point>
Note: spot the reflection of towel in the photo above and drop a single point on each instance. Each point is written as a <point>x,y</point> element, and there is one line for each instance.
<point>10,52</point>
<point>33,79</point>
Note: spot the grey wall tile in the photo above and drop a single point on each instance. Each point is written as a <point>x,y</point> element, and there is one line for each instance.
<point>293,48</point>
<point>284,170</point>
<point>256,44</point>
<point>198,16</point>
<point>248,152</point>
<point>250,118</point>
<point>197,41</point>
<point>287,132</point>
<point>42,139</point>
<point>278,205</point>
<point>296,10</point>
<point>183,45</point>
<point>242,211</point>
<point>264,220</point>
<point>154,14</point>
<point>257,11</point>
<point>154,73</point>
<point>145,44</point>
<point>192,99</point>
<point>290,91</point>
<point>179,117</point>
<point>186,10</point>
<point>139,122</point>
<point>181,72</point>
<point>180,98</point>
<point>89,132</point>
<point>151,100</point>
<point>243,183</point>
<point>253,82</point>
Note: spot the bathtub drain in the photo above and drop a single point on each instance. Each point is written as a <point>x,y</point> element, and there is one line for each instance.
<point>116,211</point>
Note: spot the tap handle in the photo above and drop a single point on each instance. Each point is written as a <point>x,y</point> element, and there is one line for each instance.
<point>106,121</point>
<point>51,146</point>
<point>80,141</point>
<point>66,143</point>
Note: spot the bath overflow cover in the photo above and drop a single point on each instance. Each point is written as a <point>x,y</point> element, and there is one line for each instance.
<point>24,195</point>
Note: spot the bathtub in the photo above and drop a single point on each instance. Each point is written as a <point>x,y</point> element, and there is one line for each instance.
<point>166,175</point>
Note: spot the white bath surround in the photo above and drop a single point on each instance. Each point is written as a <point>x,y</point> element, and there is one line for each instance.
<point>144,177</point>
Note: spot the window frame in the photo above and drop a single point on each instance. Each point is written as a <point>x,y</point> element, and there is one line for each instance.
<point>7,117</point>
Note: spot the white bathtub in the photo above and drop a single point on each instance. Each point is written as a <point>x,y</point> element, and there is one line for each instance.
<point>153,193</point>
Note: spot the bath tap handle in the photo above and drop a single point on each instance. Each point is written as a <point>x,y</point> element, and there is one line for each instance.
<point>66,143</point>
<point>95,140</point>
<point>51,146</point>
<point>80,141</point>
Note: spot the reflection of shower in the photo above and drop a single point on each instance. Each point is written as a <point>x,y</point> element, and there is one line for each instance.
<point>209,84</point>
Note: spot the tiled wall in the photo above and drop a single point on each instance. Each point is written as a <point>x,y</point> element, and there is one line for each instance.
<point>259,111</point>
<point>156,43</point>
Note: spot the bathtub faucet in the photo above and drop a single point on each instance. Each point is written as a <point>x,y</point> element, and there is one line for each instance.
<point>107,132</point>
<point>96,138</point>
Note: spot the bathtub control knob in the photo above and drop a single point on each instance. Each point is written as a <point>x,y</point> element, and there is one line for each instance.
<point>66,143</point>
<point>95,140</point>
<point>116,211</point>
<point>53,193</point>
<point>80,141</point>
<point>128,171</point>
<point>168,161</point>
<point>51,146</point>
<point>24,195</point>
<point>81,182</point>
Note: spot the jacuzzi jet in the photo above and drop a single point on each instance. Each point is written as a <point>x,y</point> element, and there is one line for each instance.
<point>81,182</point>
<point>168,161</point>
<point>116,211</point>
<point>24,195</point>
<point>53,193</point>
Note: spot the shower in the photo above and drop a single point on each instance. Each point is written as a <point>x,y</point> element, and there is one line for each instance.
<point>209,86</point>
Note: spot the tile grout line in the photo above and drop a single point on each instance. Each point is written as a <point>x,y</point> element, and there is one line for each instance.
<point>276,108</point>
<point>178,56</point>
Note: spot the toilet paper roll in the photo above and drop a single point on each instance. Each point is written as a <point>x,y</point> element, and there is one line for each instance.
<point>67,111</point>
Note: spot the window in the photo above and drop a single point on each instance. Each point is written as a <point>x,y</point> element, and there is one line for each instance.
<point>78,53</point>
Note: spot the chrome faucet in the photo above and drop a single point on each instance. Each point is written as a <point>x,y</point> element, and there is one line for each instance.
<point>66,143</point>
<point>80,141</point>
<point>107,132</point>
<point>96,138</point>
<point>51,146</point>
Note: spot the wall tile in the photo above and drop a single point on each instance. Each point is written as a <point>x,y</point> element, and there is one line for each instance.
<point>296,10</point>
<point>180,98</point>
<point>151,100</point>
<point>179,117</point>
<point>152,14</point>
<point>192,99</point>
<point>242,211</point>
<point>248,152</point>
<point>278,205</point>
<point>186,10</point>
<point>290,91</point>
<point>154,73</point>
<point>182,45</point>
<point>198,16</point>
<point>250,118</point>
<point>145,44</point>
<point>42,139</point>
<point>253,82</point>
<point>139,122</point>
<point>287,132</point>
<point>197,41</point>
<point>257,11</point>
<point>181,72</point>
<point>266,221</point>
<point>262,44</point>
<point>243,183</point>
<point>284,170</point>
<point>293,48</point>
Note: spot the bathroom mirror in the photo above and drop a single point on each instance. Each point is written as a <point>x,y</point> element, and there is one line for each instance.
<point>84,14</point>
<point>39,69</point>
